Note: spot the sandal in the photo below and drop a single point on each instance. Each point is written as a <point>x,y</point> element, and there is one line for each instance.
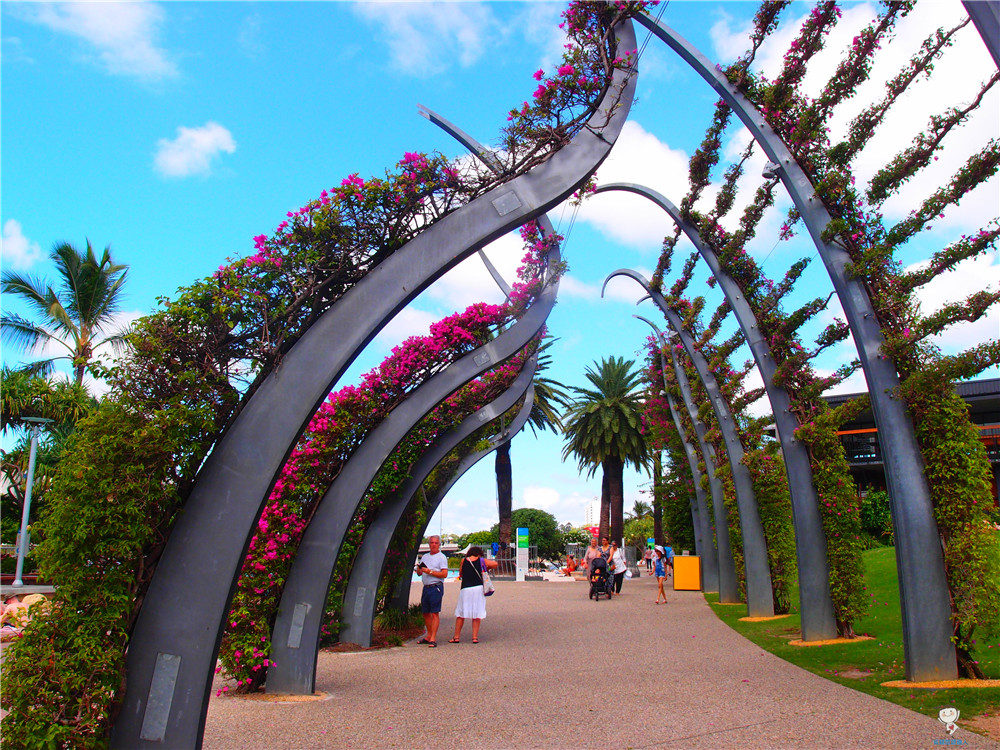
<point>475,640</point>
<point>432,644</point>
<point>423,640</point>
<point>455,640</point>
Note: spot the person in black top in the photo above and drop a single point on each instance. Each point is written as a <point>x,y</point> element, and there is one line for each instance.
<point>471,599</point>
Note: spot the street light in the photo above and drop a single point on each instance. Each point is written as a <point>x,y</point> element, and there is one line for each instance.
<point>22,547</point>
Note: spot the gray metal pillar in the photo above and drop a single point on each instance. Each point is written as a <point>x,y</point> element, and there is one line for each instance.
<point>923,586</point>
<point>985,15</point>
<point>816,607</point>
<point>704,546</point>
<point>296,633</point>
<point>401,596</point>
<point>728,587</point>
<point>360,597</point>
<point>169,669</point>
<point>760,597</point>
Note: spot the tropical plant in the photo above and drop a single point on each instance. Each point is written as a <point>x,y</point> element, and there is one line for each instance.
<point>549,394</point>
<point>640,509</point>
<point>75,316</point>
<point>604,429</point>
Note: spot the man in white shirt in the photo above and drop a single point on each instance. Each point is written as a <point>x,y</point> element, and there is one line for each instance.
<point>433,570</point>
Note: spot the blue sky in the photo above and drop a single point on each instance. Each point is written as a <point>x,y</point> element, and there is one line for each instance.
<point>175,132</point>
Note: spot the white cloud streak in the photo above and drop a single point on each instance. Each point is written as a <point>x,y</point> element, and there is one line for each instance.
<point>122,36</point>
<point>193,151</point>
<point>424,38</point>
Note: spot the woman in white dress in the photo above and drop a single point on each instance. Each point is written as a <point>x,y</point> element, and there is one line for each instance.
<point>471,599</point>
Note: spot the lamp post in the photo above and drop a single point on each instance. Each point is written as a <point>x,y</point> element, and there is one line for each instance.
<point>22,547</point>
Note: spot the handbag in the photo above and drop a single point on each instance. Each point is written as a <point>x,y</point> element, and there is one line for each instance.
<point>488,588</point>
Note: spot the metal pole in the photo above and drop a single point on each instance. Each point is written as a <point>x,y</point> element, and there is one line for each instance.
<point>22,546</point>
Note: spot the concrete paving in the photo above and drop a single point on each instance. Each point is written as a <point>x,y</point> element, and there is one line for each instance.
<point>557,670</point>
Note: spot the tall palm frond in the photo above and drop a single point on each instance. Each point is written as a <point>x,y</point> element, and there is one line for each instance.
<point>75,316</point>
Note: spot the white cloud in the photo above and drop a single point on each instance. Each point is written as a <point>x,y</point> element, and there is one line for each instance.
<point>249,36</point>
<point>619,289</point>
<point>972,275</point>
<point>956,80</point>
<point>424,38</point>
<point>193,150</point>
<point>470,281</point>
<point>19,253</point>
<point>637,157</point>
<point>123,35</point>
<point>410,322</point>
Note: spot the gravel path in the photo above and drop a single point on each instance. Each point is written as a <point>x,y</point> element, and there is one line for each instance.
<point>556,670</point>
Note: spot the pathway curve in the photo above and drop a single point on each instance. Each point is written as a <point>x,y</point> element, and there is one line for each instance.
<point>541,677</point>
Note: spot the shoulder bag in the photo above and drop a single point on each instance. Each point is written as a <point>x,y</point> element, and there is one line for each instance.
<point>488,588</point>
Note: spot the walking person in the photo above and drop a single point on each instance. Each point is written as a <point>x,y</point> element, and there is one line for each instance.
<point>433,570</point>
<point>660,570</point>
<point>605,549</point>
<point>471,599</point>
<point>590,554</point>
<point>617,565</point>
<point>647,555</point>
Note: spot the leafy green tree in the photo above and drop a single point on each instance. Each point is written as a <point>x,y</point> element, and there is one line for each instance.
<point>24,395</point>
<point>75,316</point>
<point>604,429</point>
<point>543,530</point>
<point>637,531</point>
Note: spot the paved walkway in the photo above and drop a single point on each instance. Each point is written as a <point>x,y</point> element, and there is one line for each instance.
<point>556,670</point>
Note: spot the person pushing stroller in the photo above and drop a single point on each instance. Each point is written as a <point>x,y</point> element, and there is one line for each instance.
<point>601,581</point>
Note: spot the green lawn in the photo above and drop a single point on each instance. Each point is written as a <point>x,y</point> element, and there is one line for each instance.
<point>869,663</point>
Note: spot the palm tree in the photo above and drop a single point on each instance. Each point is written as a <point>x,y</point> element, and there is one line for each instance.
<point>640,509</point>
<point>549,399</point>
<point>603,427</point>
<point>89,295</point>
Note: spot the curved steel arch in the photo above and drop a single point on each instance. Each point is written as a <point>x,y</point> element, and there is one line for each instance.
<point>760,597</point>
<point>927,648</point>
<point>296,632</point>
<point>699,507</point>
<point>169,670</point>
<point>358,612</point>
<point>816,606</point>
<point>401,597</point>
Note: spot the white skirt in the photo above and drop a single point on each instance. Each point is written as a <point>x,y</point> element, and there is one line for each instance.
<point>471,603</point>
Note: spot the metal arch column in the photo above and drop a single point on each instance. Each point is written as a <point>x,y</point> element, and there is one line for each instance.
<point>358,612</point>
<point>401,596</point>
<point>296,632</point>
<point>704,546</point>
<point>760,597</point>
<point>728,587</point>
<point>923,586</point>
<point>816,605</point>
<point>985,15</point>
<point>168,670</point>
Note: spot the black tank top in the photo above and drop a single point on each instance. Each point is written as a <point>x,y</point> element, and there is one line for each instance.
<point>470,574</point>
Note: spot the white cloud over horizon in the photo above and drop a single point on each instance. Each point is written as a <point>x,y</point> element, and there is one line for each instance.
<point>122,37</point>
<point>193,151</point>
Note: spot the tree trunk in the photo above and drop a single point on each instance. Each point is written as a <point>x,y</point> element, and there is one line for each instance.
<point>614,469</point>
<point>605,524</point>
<point>658,498</point>
<point>504,491</point>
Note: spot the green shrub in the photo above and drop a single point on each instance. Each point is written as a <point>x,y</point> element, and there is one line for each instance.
<point>876,518</point>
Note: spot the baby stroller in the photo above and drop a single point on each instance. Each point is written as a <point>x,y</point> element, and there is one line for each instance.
<point>601,581</point>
